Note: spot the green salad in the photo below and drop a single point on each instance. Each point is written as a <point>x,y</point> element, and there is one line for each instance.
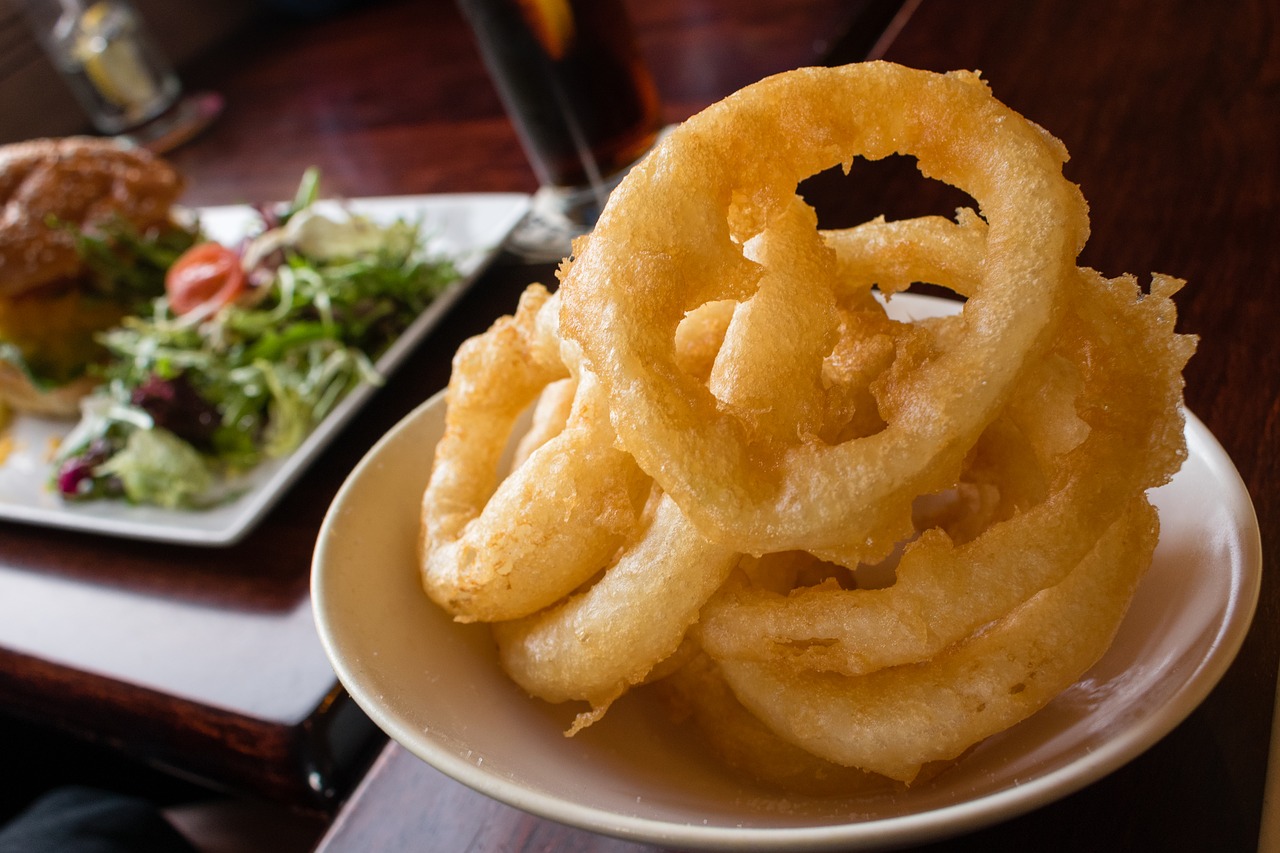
<point>247,351</point>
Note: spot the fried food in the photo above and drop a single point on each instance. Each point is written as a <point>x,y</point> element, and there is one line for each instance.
<point>660,250</point>
<point>549,526</point>
<point>851,545</point>
<point>598,644</point>
<point>897,719</point>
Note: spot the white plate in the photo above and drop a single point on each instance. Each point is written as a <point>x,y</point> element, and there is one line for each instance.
<point>435,686</point>
<point>468,228</point>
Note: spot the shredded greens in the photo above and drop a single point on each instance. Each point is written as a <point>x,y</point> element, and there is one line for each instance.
<point>128,265</point>
<point>189,401</point>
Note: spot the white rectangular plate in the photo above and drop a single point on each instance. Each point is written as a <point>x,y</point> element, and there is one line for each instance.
<point>467,228</point>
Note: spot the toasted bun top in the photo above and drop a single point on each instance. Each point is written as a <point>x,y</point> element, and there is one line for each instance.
<point>79,180</point>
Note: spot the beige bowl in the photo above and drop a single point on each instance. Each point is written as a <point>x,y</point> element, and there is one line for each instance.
<point>435,686</point>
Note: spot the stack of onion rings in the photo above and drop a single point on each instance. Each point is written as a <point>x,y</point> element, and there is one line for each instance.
<point>870,543</point>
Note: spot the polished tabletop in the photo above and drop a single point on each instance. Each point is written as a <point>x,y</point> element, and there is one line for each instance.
<point>1171,112</point>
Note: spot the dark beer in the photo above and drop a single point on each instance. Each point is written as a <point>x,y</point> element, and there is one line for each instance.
<point>573,82</point>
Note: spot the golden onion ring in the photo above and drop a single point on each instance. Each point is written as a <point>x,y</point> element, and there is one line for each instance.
<point>661,250</point>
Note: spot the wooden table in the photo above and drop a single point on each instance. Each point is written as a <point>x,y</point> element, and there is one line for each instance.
<point>1172,114</point>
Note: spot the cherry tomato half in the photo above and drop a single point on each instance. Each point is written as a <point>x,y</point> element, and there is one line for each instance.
<point>208,276</point>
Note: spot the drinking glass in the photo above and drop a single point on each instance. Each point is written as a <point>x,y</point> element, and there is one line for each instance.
<point>122,81</point>
<point>581,99</point>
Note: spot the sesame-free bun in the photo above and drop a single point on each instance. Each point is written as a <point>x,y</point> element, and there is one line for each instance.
<point>45,186</point>
<point>82,181</point>
<point>62,401</point>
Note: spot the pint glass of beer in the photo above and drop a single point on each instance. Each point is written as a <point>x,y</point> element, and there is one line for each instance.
<point>582,101</point>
